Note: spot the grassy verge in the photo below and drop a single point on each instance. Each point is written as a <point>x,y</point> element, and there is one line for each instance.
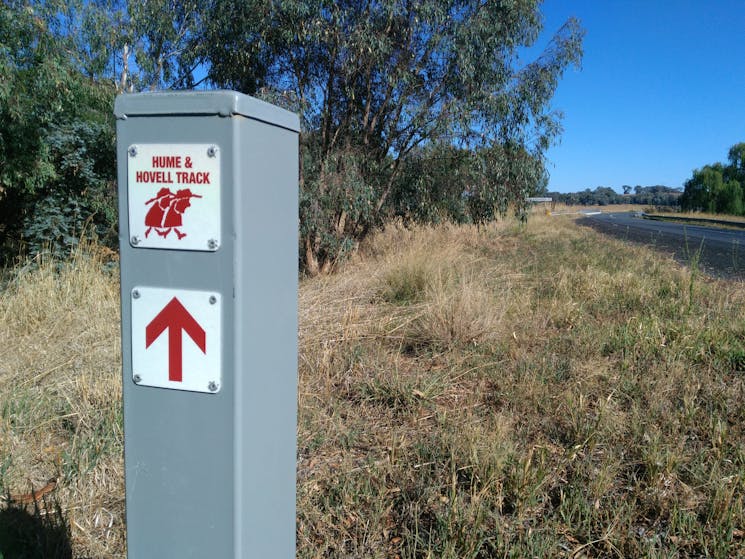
<point>709,220</point>
<point>508,392</point>
<point>60,409</point>
<point>722,217</point>
<point>520,393</point>
<point>560,208</point>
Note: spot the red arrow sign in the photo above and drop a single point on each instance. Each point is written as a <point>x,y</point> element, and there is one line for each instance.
<point>175,318</point>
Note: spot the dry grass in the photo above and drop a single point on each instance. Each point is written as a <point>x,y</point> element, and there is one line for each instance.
<point>520,392</point>
<point>60,395</point>
<point>720,217</point>
<point>574,208</point>
<point>536,391</point>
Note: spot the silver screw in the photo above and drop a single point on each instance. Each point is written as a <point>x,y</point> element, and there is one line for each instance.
<point>137,379</point>
<point>135,294</point>
<point>132,151</point>
<point>212,386</point>
<point>135,241</point>
<point>211,151</point>
<point>213,299</point>
<point>212,244</point>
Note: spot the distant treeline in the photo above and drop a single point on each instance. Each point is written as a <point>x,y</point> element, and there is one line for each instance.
<point>718,188</point>
<point>604,196</point>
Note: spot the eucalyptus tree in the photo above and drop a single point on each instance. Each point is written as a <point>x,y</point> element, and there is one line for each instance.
<point>163,41</point>
<point>375,80</point>
<point>377,83</point>
<point>56,135</point>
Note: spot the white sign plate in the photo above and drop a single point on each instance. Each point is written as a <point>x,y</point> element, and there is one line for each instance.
<point>176,339</point>
<point>173,195</point>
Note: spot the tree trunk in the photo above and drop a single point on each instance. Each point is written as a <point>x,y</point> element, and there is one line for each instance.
<point>125,70</point>
<point>311,260</point>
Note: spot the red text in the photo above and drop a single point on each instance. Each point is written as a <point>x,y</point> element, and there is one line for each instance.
<point>192,177</point>
<point>166,161</point>
<point>157,177</point>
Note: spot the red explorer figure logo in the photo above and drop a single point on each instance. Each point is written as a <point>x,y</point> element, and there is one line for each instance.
<point>174,196</point>
<point>167,210</point>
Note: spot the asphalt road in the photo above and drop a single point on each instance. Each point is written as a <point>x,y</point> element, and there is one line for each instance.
<point>722,251</point>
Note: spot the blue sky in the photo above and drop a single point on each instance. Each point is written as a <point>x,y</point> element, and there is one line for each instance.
<point>661,91</point>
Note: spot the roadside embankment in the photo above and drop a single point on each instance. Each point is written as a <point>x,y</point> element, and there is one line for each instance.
<point>524,391</point>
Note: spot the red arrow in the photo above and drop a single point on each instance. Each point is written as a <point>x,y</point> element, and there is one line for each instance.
<point>175,318</point>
